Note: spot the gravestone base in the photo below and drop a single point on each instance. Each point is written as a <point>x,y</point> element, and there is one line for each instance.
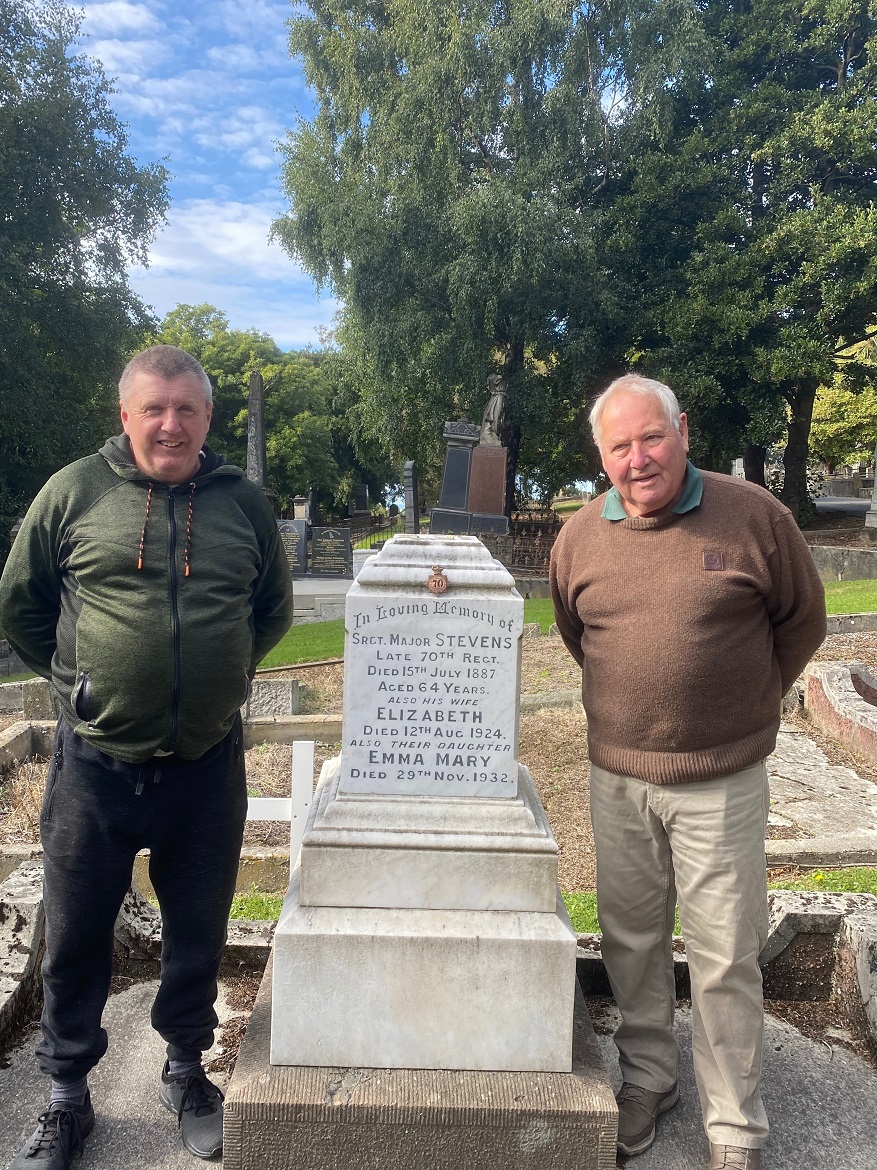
<point>337,1118</point>
<point>422,989</point>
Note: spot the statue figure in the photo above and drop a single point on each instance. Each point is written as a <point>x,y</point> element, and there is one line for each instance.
<point>493,412</point>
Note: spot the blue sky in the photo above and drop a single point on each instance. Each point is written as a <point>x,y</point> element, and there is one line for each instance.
<point>209,89</point>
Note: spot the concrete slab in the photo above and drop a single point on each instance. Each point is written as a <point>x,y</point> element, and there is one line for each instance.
<point>323,1118</point>
<point>134,1131</point>
<point>819,1100</point>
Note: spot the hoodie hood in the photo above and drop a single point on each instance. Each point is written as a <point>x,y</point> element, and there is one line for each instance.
<point>117,452</point>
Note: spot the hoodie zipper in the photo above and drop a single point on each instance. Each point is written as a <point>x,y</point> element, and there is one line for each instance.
<point>175,617</point>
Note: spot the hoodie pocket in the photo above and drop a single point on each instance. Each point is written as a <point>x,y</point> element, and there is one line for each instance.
<point>81,700</point>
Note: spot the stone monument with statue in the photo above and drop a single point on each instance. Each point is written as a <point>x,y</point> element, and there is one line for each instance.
<point>473,491</point>
<point>421,1009</point>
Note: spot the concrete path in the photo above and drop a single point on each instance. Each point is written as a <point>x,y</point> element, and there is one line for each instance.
<point>134,1131</point>
<point>820,1101</point>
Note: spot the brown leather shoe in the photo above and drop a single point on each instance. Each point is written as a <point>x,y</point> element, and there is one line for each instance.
<point>638,1109</point>
<point>734,1158</point>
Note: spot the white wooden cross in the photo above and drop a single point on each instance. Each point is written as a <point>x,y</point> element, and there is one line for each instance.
<point>294,807</point>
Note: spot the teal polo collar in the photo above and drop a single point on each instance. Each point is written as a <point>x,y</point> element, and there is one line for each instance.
<point>613,508</point>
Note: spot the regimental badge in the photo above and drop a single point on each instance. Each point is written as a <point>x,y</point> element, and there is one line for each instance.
<point>713,561</point>
<point>438,582</point>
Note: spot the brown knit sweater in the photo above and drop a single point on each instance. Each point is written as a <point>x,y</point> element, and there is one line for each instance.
<point>689,628</point>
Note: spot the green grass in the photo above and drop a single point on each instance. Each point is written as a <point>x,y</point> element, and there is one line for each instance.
<point>567,507</point>
<point>851,596</point>
<point>582,907</point>
<point>17,677</point>
<point>854,880</point>
<point>541,610</point>
<point>582,911</point>
<point>256,904</point>
<point>309,643</point>
<point>318,640</point>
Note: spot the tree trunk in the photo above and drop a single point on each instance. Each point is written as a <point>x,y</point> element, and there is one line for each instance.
<point>753,463</point>
<point>800,398</point>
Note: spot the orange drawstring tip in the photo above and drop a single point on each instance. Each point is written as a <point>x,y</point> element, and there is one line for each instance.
<point>140,563</point>
<point>187,571</point>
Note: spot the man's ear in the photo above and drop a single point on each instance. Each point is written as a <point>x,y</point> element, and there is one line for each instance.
<point>124,416</point>
<point>683,429</point>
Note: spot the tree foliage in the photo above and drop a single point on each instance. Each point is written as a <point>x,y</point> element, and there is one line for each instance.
<point>764,251</point>
<point>75,210</point>
<point>557,190</point>
<point>307,435</point>
<point>845,411</point>
<point>447,192</point>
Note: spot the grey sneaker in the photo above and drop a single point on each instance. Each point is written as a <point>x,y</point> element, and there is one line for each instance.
<point>734,1158</point>
<point>638,1109</point>
<point>197,1103</point>
<point>57,1139</point>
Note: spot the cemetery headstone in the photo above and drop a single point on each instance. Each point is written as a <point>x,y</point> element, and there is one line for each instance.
<point>452,513</point>
<point>427,809</point>
<point>412,498</point>
<point>360,498</point>
<point>331,554</point>
<point>421,987</point>
<point>294,538</point>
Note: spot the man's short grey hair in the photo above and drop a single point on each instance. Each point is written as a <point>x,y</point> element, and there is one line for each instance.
<point>635,384</point>
<point>167,361</point>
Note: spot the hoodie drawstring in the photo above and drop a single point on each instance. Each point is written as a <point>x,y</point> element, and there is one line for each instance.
<point>145,526</point>
<point>189,526</point>
<point>189,514</point>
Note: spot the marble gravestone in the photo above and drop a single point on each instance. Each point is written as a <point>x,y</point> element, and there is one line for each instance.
<point>423,928</point>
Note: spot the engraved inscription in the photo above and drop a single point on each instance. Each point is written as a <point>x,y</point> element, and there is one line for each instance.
<point>430,690</point>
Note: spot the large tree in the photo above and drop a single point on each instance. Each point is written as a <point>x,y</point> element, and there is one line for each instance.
<point>447,190</point>
<point>752,218</point>
<point>75,210</point>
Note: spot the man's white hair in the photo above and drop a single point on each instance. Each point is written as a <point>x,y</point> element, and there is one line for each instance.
<point>634,384</point>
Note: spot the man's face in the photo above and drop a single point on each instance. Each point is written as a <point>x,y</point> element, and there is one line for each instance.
<point>166,422</point>
<point>643,454</point>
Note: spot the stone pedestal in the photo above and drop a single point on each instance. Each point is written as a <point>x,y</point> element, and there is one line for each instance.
<point>424,928</point>
<point>325,1118</point>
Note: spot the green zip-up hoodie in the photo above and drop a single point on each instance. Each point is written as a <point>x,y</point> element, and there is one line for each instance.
<point>147,606</point>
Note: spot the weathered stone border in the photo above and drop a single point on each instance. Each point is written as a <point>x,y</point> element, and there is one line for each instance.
<point>841,699</point>
<point>831,937</point>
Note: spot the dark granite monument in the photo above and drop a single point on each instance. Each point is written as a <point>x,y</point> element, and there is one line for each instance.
<point>294,537</point>
<point>257,458</point>
<point>412,498</point>
<point>473,492</point>
<point>331,554</point>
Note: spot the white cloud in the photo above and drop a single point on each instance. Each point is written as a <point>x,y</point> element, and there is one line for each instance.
<point>117,16</point>
<point>219,252</point>
<point>129,60</point>
<point>226,235</point>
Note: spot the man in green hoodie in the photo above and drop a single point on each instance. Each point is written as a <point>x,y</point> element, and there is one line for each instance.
<point>146,583</point>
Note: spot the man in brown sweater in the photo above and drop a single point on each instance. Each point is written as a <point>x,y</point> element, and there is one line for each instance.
<point>691,602</point>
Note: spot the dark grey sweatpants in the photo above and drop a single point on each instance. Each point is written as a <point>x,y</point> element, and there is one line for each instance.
<point>97,813</point>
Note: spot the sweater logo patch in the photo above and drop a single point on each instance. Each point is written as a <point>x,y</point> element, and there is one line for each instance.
<point>713,561</point>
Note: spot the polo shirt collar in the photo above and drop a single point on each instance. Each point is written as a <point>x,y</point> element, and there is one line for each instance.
<point>613,508</point>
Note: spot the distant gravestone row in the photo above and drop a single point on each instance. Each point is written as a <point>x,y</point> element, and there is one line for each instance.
<point>331,550</point>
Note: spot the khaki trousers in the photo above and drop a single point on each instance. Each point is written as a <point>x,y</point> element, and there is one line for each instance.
<point>703,844</point>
